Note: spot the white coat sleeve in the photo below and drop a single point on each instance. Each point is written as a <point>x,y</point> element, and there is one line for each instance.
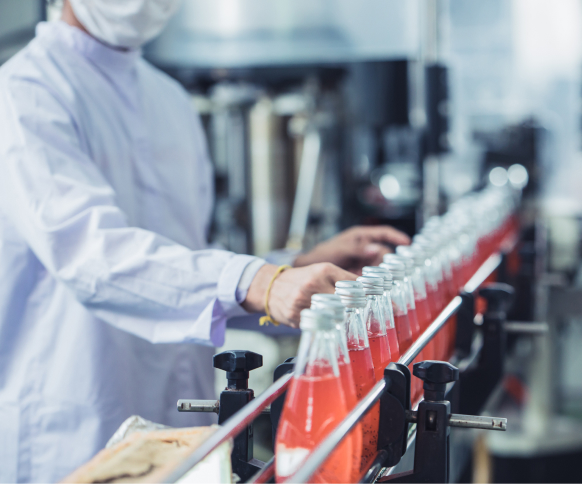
<point>61,204</point>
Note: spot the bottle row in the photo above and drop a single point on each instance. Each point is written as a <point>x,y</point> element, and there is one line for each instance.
<point>348,338</point>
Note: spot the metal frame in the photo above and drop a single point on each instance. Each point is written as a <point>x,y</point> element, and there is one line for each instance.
<point>232,427</point>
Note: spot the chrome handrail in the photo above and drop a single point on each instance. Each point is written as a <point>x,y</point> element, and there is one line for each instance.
<point>431,331</point>
<point>265,474</point>
<point>232,427</point>
<point>486,269</point>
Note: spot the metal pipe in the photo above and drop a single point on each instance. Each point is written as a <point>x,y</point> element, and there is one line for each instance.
<point>211,406</point>
<point>467,421</point>
<point>525,327</point>
<point>325,448</point>
<point>483,273</point>
<point>232,427</point>
<point>430,332</point>
<point>266,473</point>
<point>208,406</point>
<point>478,422</point>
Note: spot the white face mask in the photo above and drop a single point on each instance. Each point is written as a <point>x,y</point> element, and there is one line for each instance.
<point>124,23</point>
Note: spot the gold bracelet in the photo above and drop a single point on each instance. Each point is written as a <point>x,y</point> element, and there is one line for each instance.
<point>265,320</point>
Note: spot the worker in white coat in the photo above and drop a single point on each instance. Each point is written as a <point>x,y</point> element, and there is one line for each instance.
<point>111,302</point>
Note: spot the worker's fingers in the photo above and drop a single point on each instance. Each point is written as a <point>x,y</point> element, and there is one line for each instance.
<point>292,290</point>
<point>384,234</point>
<point>374,254</point>
<point>335,273</point>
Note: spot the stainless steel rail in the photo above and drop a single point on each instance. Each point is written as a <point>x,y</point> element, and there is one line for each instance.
<point>265,474</point>
<point>467,421</point>
<point>232,427</point>
<point>322,451</point>
<point>430,332</point>
<point>208,406</point>
<point>486,269</point>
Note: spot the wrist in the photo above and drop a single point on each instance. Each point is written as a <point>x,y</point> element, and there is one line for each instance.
<point>255,300</point>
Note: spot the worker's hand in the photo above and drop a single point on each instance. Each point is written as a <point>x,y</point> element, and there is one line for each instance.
<point>292,290</point>
<point>355,248</point>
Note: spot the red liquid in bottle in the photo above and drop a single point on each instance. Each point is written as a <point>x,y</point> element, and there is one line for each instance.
<point>414,324</point>
<point>415,329</point>
<point>364,379</point>
<point>349,387</point>
<point>439,339</point>
<point>424,320</point>
<point>442,295</point>
<point>393,343</point>
<point>380,354</point>
<point>431,297</point>
<point>403,331</point>
<point>308,416</point>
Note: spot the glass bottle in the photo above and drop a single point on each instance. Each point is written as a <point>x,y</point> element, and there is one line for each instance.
<point>420,297</point>
<point>377,271</point>
<point>332,303</point>
<point>396,263</point>
<point>400,305</point>
<point>354,302</point>
<point>431,251</point>
<point>434,291</point>
<point>376,323</point>
<point>309,414</point>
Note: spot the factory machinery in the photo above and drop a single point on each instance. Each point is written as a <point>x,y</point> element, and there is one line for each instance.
<point>414,437</point>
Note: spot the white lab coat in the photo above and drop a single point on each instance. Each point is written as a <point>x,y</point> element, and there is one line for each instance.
<point>110,300</point>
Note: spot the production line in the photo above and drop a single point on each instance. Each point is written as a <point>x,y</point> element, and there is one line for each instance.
<point>402,407</point>
<point>365,215</point>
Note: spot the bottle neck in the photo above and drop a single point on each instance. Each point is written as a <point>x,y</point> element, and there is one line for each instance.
<point>399,299</point>
<point>356,334</point>
<point>374,314</point>
<point>388,312</point>
<point>318,354</point>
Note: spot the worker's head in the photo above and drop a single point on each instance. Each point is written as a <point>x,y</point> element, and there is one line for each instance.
<point>124,23</point>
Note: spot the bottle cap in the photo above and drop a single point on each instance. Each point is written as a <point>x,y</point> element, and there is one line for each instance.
<point>351,297</point>
<point>413,252</point>
<point>396,267</point>
<point>377,271</point>
<point>407,261</point>
<point>344,284</point>
<point>317,319</point>
<point>329,302</point>
<point>321,297</point>
<point>419,253</point>
<point>373,286</point>
<point>427,245</point>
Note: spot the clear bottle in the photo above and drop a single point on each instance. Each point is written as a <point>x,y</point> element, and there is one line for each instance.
<point>396,264</point>
<point>434,295</point>
<point>435,280</point>
<point>354,301</point>
<point>377,271</point>
<point>420,295</point>
<point>389,259</point>
<point>400,305</point>
<point>435,239</point>
<point>309,414</point>
<point>333,303</point>
<point>376,323</point>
